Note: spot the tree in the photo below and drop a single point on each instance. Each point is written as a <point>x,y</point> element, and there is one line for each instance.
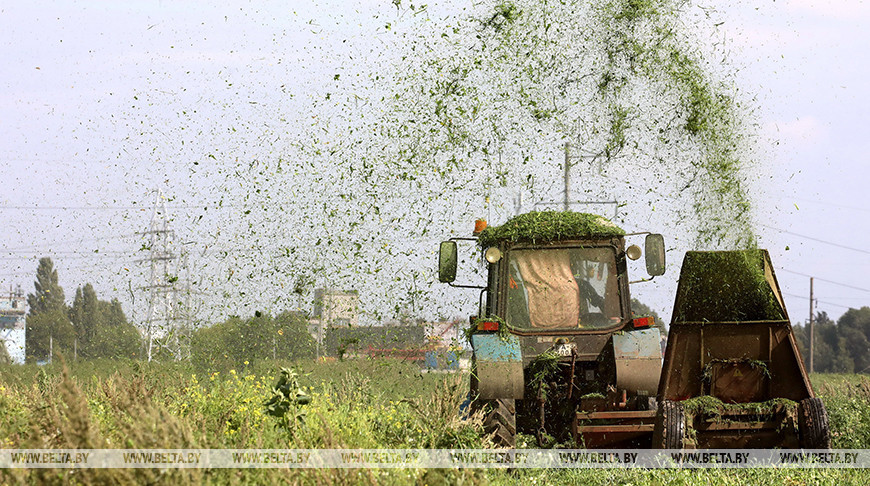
<point>49,294</point>
<point>47,323</point>
<point>46,330</point>
<point>86,318</point>
<point>91,328</point>
<point>101,327</point>
<point>232,342</point>
<point>294,341</point>
<point>118,337</point>
<point>841,347</point>
<point>639,309</point>
<point>824,344</point>
<point>854,329</point>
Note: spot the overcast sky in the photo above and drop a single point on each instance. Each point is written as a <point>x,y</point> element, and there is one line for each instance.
<point>81,79</point>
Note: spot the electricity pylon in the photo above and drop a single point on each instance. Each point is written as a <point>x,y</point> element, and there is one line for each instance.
<point>167,324</point>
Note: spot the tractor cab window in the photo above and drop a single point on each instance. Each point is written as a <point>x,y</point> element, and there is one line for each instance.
<point>562,288</point>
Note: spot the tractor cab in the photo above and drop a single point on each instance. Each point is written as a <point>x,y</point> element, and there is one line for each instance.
<point>567,288</point>
<point>555,336</point>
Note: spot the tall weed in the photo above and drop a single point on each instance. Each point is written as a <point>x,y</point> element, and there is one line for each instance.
<point>847,401</point>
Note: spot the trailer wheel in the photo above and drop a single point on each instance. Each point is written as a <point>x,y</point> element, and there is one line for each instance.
<point>813,424</point>
<point>502,421</point>
<point>670,426</point>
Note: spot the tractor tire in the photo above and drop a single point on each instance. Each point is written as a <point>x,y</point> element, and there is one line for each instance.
<point>670,426</point>
<point>501,420</point>
<point>813,424</point>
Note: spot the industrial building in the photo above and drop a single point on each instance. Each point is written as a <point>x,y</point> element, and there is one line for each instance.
<point>332,308</point>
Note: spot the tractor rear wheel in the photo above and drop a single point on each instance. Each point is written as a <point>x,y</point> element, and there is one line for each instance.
<point>501,420</point>
<point>813,424</point>
<point>670,427</point>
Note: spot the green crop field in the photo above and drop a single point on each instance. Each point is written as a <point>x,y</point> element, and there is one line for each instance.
<point>354,404</point>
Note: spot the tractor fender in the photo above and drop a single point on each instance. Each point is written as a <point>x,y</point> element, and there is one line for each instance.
<point>638,356</point>
<point>499,366</point>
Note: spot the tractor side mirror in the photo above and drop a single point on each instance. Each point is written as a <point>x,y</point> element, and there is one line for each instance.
<point>655,254</point>
<point>447,256</point>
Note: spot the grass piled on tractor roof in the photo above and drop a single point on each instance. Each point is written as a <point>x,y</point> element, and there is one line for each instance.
<point>549,226</point>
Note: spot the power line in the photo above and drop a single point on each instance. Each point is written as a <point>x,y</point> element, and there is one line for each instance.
<point>819,301</point>
<point>813,201</point>
<point>66,257</point>
<point>97,208</point>
<point>859,250</point>
<point>68,242</point>
<point>849,298</point>
<point>69,160</point>
<point>827,281</point>
<point>64,252</point>
<point>23,274</point>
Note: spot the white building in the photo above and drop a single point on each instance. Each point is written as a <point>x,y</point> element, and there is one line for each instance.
<point>13,316</point>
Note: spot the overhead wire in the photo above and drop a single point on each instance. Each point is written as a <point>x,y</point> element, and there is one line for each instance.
<point>80,240</point>
<point>825,203</point>
<point>817,300</point>
<point>859,250</point>
<point>825,280</point>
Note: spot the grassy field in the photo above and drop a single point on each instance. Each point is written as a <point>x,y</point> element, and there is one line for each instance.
<point>354,404</point>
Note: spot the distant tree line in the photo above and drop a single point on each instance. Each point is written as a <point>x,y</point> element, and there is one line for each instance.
<point>93,328</point>
<point>838,347</point>
<point>231,343</point>
<point>90,328</point>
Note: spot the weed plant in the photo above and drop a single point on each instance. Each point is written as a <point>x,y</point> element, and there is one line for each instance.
<point>847,401</point>
<point>354,404</point>
<point>368,404</point>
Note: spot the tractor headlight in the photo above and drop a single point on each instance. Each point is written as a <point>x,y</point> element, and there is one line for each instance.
<point>492,254</point>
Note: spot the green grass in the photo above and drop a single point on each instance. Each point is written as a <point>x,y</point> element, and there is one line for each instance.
<point>549,226</point>
<point>104,404</point>
<point>847,400</point>
<point>736,477</point>
<point>355,404</point>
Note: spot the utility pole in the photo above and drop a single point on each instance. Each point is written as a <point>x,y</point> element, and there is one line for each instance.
<point>567,176</point>
<point>812,325</point>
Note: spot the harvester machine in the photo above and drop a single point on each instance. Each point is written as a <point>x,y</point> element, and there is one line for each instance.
<point>733,376</point>
<point>557,352</point>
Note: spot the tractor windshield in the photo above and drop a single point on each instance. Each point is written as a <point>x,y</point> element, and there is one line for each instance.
<point>562,288</point>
